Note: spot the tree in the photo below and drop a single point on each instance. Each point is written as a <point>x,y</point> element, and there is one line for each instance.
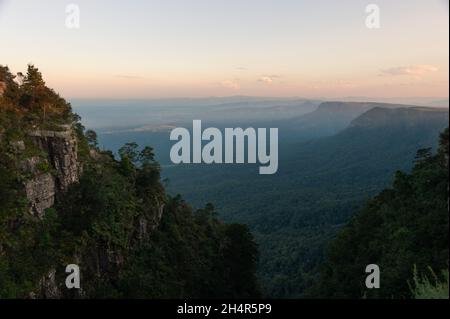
<point>404,230</point>
<point>128,158</point>
<point>129,151</point>
<point>91,137</point>
<point>443,149</point>
<point>146,156</point>
<point>10,87</point>
<point>33,80</point>
<point>423,154</point>
<point>240,254</point>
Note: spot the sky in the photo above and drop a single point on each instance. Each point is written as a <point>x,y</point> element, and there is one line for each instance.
<point>193,48</point>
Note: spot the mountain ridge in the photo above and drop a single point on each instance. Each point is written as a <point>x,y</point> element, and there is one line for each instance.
<point>380,116</point>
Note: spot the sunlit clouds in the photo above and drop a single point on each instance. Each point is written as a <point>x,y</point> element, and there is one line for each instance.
<point>413,70</point>
<point>231,84</point>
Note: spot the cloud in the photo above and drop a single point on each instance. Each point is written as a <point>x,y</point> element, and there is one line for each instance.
<point>230,84</point>
<point>265,79</point>
<point>412,70</point>
<point>268,79</point>
<point>129,77</point>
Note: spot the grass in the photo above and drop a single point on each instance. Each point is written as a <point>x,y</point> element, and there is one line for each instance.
<point>430,287</point>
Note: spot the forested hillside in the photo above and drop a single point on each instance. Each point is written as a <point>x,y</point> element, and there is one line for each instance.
<point>319,185</point>
<point>404,230</point>
<point>64,201</point>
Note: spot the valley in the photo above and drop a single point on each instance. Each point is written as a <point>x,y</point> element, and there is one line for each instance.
<point>331,160</point>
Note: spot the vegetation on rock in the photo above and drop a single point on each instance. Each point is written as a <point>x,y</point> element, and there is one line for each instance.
<point>129,238</point>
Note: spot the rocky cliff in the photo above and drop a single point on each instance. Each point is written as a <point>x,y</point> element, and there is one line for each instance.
<point>59,158</point>
<point>64,201</point>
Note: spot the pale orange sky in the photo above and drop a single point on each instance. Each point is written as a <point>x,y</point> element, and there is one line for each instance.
<point>310,48</point>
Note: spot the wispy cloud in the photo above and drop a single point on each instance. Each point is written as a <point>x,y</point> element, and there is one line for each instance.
<point>412,70</point>
<point>231,84</point>
<point>129,77</point>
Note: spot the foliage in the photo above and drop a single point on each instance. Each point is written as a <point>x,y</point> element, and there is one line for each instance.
<point>117,223</point>
<point>404,230</point>
<point>319,186</point>
<point>424,288</point>
<point>30,103</point>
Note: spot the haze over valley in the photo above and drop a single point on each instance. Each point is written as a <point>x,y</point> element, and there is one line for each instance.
<point>333,157</point>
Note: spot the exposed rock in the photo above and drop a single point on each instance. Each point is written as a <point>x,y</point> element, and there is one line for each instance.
<point>147,224</point>
<point>41,193</point>
<point>30,165</point>
<point>61,149</point>
<point>50,171</point>
<point>18,146</point>
<point>49,287</point>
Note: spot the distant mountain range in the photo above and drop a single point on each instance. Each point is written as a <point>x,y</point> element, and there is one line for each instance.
<point>420,101</point>
<point>130,114</point>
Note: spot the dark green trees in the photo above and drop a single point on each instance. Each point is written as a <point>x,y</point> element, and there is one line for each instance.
<point>402,229</point>
<point>193,255</point>
<point>240,255</point>
<point>185,255</point>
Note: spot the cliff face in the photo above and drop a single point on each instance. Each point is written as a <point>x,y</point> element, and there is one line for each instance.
<point>48,172</point>
<point>59,158</point>
<point>105,210</point>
